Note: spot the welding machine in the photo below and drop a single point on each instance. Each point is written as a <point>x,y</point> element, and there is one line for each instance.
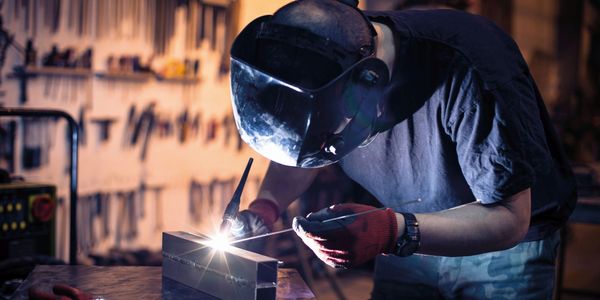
<point>27,217</point>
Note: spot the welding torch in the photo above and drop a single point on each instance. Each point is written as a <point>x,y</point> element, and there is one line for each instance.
<point>232,209</point>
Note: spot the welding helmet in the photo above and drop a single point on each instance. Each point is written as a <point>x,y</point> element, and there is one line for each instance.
<point>301,126</point>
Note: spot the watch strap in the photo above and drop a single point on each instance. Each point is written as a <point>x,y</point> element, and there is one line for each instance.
<point>410,240</point>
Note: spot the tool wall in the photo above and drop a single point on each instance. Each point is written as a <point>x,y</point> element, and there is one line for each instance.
<point>148,82</point>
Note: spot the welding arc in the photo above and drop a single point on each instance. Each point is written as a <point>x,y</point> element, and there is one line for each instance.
<point>290,229</point>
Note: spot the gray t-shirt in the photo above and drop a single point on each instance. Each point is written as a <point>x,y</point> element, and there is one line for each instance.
<point>468,123</point>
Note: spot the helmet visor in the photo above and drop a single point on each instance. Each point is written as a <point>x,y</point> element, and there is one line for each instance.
<point>272,116</point>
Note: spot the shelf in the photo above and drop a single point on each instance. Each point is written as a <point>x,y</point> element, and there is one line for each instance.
<point>185,80</point>
<point>126,76</point>
<point>19,71</point>
<point>50,71</point>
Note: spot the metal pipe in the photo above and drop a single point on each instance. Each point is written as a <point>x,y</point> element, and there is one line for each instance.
<point>73,151</point>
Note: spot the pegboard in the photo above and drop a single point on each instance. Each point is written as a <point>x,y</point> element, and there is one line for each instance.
<point>193,146</point>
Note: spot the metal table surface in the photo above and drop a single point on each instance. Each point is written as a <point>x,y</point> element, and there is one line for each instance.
<point>140,283</point>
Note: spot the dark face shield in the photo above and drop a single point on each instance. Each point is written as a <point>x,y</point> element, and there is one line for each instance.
<point>301,127</point>
<point>272,116</point>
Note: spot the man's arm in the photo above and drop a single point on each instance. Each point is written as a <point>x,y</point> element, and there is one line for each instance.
<point>283,184</point>
<point>474,228</point>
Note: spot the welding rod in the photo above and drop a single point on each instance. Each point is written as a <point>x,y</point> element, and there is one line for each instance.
<point>325,221</point>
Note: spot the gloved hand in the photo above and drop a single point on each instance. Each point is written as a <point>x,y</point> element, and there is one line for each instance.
<point>61,291</point>
<point>351,241</point>
<point>257,219</point>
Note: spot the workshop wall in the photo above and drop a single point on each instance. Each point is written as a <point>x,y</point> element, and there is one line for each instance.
<point>172,177</point>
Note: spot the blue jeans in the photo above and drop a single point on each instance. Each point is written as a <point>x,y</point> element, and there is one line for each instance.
<point>525,271</point>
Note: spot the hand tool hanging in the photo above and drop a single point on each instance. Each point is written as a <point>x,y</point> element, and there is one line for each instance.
<point>218,28</point>
<point>158,209</point>
<point>36,6</point>
<point>99,18</point>
<point>92,211</point>
<point>164,24</point>
<point>221,33</point>
<point>207,26</point>
<point>211,130</point>
<point>55,15</point>
<point>33,143</point>
<point>121,215</point>
<point>62,214</point>
<point>132,211</point>
<point>188,27</point>
<point>105,214</point>
<point>141,199</point>
<point>71,12</point>
<point>227,129</point>
<point>196,201</point>
<point>80,17</point>
<point>130,126</point>
<point>83,223</point>
<point>7,146</point>
<point>150,115</point>
<point>25,5</point>
<point>196,125</point>
<point>126,227</point>
<point>104,126</point>
<point>240,142</point>
<point>231,19</point>
<point>82,127</point>
<point>135,126</point>
<point>185,126</point>
<point>199,25</point>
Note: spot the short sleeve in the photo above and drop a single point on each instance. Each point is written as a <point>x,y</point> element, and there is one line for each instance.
<point>499,140</point>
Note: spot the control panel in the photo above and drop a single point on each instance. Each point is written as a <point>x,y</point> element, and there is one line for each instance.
<point>27,217</point>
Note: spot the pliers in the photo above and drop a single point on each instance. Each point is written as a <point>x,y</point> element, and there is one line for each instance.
<point>61,292</point>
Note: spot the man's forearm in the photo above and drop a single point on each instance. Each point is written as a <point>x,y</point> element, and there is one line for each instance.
<point>474,228</point>
<point>283,184</point>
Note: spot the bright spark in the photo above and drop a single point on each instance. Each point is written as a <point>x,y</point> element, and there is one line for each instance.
<point>219,242</point>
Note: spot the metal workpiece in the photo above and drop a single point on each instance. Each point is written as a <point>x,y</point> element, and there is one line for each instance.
<point>226,273</point>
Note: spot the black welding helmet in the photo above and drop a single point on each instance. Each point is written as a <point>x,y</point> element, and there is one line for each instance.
<point>301,126</point>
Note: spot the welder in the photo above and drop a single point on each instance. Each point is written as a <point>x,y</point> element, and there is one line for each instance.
<point>435,105</point>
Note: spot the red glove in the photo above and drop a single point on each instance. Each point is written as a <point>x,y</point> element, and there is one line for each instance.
<point>350,241</point>
<point>61,292</point>
<point>266,210</point>
<point>256,220</point>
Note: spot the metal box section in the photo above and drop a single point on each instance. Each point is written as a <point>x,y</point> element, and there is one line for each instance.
<point>230,273</point>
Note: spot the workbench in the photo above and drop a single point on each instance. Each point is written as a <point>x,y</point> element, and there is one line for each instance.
<point>140,283</point>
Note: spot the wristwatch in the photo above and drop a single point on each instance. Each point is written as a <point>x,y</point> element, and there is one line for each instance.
<point>409,242</point>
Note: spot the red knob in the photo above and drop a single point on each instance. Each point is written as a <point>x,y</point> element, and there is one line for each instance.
<point>42,208</point>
